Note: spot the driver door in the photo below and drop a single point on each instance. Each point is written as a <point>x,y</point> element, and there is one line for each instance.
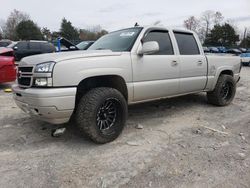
<point>156,75</point>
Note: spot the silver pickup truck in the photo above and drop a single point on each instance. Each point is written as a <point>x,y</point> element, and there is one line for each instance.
<point>123,67</point>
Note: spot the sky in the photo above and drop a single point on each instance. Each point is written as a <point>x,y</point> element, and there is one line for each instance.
<point>117,14</point>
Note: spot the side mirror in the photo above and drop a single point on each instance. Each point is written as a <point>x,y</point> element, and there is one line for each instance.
<point>150,47</point>
<point>15,48</point>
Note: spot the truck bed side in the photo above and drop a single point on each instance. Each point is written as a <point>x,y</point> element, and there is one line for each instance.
<point>221,63</point>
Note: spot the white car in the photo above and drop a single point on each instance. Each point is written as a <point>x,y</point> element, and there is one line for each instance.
<point>245,58</point>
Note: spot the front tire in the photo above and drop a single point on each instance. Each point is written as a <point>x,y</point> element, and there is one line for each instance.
<point>224,91</point>
<point>101,114</point>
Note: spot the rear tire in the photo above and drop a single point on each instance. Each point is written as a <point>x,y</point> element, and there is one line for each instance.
<point>224,91</point>
<point>101,114</point>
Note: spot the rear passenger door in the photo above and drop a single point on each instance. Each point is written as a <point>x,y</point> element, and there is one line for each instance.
<point>34,48</point>
<point>21,50</point>
<point>192,62</point>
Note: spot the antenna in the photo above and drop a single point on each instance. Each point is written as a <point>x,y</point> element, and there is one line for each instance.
<point>136,24</point>
<point>157,22</point>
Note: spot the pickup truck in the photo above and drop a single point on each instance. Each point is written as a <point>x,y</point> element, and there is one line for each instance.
<point>124,67</point>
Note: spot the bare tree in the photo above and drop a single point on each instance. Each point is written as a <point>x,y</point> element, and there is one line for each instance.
<point>218,18</point>
<point>204,24</point>
<point>2,24</point>
<point>192,23</point>
<point>46,33</point>
<point>207,20</point>
<point>13,20</point>
<point>94,28</point>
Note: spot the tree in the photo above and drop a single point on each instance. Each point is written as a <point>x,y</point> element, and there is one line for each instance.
<point>46,34</point>
<point>13,20</point>
<point>222,35</point>
<point>206,20</point>
<point>28,30</point>
<point>203,25</point>
<point>90,35</point>
<point>245,43</point>
<point>218,18</point>
<point>2,23</point>
<point>68,31</point>
<point>191,23</point>
<point>55,35</point>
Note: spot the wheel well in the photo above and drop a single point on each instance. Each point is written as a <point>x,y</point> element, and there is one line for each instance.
<point>227,72</point>
<point>112,81</point>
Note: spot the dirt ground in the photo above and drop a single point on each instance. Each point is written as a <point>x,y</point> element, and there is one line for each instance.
<point>175,147</point>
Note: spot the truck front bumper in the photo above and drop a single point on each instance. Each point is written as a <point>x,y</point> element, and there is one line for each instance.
<point>53,105</point>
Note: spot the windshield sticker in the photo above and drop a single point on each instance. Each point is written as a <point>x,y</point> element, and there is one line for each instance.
<point>127,34</point>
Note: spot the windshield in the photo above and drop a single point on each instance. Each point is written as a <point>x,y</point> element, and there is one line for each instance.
<point>83,45</point>
<point>117,41</point>
<point>12,45</point>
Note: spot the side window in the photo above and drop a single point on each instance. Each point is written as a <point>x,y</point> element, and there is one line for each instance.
<point>187,44</point>
<point>34,45</point>
<point>163,39</point>
<point>47,47</point>
<point>22,45</point>
<point>44,47</point>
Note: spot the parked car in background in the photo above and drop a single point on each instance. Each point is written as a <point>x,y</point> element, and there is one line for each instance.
<point>221,49</point>
<point>206,49</point>
<point>27,48</point>
<point>84,45</point>
<point>7,65</point>
<point>5,42</point>
<point>245,58</point>
<point>213,50</point>
<point>234,51</point>
<point>64,44</point>
<point>243,50</point>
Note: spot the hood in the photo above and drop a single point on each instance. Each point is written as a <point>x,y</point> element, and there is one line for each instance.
<point>62,56</point>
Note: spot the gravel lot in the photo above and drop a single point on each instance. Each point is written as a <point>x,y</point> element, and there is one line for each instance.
<point>165,144</point>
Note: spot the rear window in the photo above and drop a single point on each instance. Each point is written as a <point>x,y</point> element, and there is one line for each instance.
<point>187,44</point>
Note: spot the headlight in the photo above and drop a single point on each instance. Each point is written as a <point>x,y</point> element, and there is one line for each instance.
<point>43,82</point>
<point>44,67</point>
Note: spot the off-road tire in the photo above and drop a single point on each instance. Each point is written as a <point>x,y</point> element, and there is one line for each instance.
<point>88,111</point>
<point>217,97</point>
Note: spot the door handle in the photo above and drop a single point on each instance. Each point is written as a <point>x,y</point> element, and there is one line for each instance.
<point>199,62</point>
<point>174,63</point>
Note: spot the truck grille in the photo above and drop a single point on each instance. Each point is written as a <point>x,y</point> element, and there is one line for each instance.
<point>25,69</point>
<point>24,76</point>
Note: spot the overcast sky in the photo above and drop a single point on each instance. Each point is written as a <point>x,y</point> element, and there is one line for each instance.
<point>116,14</point>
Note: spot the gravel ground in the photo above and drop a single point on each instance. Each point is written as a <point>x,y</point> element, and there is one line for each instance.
<point>167,143</point>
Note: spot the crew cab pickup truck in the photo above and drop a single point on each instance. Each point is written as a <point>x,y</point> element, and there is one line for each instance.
<point>124,67</point>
